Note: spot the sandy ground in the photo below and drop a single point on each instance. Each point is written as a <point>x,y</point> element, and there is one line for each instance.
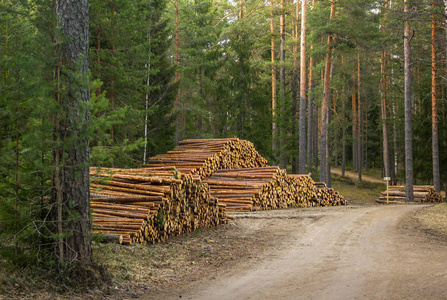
<point>326,253</point>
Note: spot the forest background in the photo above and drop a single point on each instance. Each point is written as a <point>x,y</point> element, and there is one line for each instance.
<point>312,85</point>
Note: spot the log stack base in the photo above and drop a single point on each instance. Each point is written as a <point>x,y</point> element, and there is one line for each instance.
<point>150,204</point>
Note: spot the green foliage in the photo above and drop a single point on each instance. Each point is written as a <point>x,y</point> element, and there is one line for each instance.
<point>129,54</point>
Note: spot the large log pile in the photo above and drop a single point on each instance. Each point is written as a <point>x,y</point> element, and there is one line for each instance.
<point>421,193</point>
<point>263,188</point>
<point>205,156</point>
<point>150,204</point>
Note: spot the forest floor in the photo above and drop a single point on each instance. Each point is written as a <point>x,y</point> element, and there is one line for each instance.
<point>362,250</point>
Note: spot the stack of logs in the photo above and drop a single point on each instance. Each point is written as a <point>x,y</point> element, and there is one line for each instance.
<point>328,196</point>
<point>205,156</point>
<point>150,204</point>
<point>421,193</point>
<point>265,188</point>
<point>167,196</point>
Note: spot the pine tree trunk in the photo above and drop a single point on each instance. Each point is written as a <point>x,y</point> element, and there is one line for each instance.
<point>343,165</point>
<point>177,97</point>
<point>146,111</point>
<point>310,117</point>
<point>295,127</point>
<point>408,113</point>
<point>282,78</point>
<point>359,122</point>
<point>434,108</point>
<point>71,181</point>
<point>354,121</point>
<point>302,146</point>
<point>274,125</point>
<point>384,108</point>
<point>324,155</point>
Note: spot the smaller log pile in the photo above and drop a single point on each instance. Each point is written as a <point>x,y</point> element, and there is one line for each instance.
<point>150,204</point>
<point>263,188</point>
<point>421,193</point>
<point>205,156</point>
<point>329,196</point>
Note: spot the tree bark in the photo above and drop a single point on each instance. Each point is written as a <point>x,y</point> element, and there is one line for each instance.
<point>282,78</point>
<point>324,155</point>
<point>408,112</point>
<point>310,109</point>
<point>303,84</point>
<point>295,110</point>
<point>274,125</point>
<point>383,106</point>
<point>71,178</point>
<point>343,164</point>
<point>434,108</point>
<point>177,74</point>
<point>146,100</point>
<point>354,121</point>
<point>359,122</point>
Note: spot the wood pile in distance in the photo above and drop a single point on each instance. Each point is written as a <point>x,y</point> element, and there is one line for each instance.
<point>421,193</point>
<point>150,204</point>
<point>205,156</point>
<point>262,188</point>
<point>329,196</point>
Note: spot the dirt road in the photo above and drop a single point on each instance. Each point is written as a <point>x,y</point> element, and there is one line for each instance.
<point>355,176</point>
<point>329,253</point>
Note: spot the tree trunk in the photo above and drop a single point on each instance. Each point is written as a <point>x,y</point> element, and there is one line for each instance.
<point>177,97</point>
<point>359,122</point>
<point>282,78</point>
<point>324,155</point>
<point>343,165</point>
<point>146,111</point>
<point>408,113</point>
<point>302,146</point>
<point>354,121</point>
<point>310,117</point>
<point>71,178</point>
<point>274,125</point>
<point>295,127</point>
<point>434,108</point>
<point>383,106</point>
<point>310,109</point>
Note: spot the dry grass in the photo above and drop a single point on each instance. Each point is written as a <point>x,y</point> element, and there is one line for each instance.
<point>365,193</point>
<point>433,220</point>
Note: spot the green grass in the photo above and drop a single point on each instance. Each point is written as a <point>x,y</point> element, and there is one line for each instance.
<point>365,193</point>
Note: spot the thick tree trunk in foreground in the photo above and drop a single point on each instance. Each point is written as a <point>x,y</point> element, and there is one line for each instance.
<point>71,158</point>
<point>408,113</point>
